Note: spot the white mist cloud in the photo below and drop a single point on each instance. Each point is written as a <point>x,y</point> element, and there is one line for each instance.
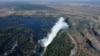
<point>60,24</point>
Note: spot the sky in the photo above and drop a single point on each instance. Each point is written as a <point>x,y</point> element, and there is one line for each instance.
<point>93,1</point>
<point>49,0</point>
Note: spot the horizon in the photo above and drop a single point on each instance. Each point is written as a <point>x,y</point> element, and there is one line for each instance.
<point>53,0</point>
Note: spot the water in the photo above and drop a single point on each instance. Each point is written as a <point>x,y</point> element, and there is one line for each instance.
<point>39,26</point>
<point>45,42</point>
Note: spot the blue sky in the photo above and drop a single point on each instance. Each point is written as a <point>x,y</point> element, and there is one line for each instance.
<point>49,0</point>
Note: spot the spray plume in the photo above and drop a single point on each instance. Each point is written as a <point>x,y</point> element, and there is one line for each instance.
<point>60,24</point>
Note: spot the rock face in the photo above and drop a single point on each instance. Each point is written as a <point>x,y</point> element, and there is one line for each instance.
<point>82,38</point>
<point>97,32</point>
<point>85,34</point>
